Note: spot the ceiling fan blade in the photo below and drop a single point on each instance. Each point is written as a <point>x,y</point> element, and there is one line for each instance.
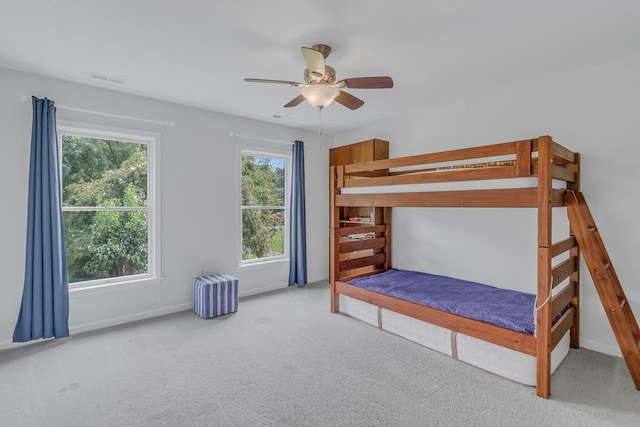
<point>282,82</point>
<point>349,100</point>
<point>383,82</point>
<point>295,101</point>
<point>314,60</point>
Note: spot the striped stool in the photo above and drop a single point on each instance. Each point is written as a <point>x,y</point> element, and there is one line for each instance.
<point>215,295</point>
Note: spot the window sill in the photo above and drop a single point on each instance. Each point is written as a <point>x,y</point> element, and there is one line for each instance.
<point>116,285</point>
<point>263,262</point>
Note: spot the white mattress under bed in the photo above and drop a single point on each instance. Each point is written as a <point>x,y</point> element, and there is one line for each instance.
<point>507,363</point>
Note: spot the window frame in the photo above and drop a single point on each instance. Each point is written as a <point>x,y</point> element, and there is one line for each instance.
<point>152,141</point>
<point>271,153</point>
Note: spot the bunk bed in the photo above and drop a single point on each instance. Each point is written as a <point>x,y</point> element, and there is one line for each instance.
<point>521,336</point>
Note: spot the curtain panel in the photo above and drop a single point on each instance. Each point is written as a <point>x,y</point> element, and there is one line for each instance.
<point>298,226</point>
<point>44,312</point>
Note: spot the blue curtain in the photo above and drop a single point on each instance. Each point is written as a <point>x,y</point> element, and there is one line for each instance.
<point>44,312</point>
<point>298,229</point>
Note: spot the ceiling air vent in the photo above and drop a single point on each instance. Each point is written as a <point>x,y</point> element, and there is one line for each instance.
<point>281,117</point>
<point>107,79</point>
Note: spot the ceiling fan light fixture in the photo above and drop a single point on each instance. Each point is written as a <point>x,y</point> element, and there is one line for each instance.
<point>319,96</point>
<point>320,87</point>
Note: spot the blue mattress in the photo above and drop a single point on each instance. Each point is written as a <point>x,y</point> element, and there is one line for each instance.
<point>501,307</point>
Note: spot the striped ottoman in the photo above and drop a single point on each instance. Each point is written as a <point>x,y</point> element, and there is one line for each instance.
<point>215,295</point>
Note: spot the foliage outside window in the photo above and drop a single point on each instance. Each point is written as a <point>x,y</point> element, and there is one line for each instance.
<point>263,207</point>
<point>107,208</point>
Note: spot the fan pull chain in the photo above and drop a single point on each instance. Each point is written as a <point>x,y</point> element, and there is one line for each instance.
<point>320,121</point>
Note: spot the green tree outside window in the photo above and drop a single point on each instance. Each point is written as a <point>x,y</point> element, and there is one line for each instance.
<point>263,206</point>
<point>104,207</point>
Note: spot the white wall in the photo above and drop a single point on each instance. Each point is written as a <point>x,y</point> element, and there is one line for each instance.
<point>593,111</point>
<point>199,192</point>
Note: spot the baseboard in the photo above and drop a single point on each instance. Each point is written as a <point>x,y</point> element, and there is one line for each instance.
<point>261,290</point>
<point>86,327</point>
<point>318,278</point>
<point>277,286</point>
<point>8,344</point>
<point>600,348</point>
<point>92,326</point>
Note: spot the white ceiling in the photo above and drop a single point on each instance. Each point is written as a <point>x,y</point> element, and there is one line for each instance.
<point>198,52</point>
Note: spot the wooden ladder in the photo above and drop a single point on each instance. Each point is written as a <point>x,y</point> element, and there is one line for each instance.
<point>605,279</point>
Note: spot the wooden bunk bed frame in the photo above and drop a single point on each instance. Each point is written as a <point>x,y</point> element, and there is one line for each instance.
<point>540,158</point>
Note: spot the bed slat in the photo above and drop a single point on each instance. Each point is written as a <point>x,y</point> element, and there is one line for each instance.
<point>563,298</point>
<point>355,276</point>
<point>358,245</point>
<point>563,246</point>
<point>513,197</point>
<point>453,175</point>
<point>561,327</point>
<point>360,230</point>
<point>501,149</point>
<point>562,173</point>
<point>563,152</point>
<point>351,264</point>
<point>523,158</point>
<point>563,270</point>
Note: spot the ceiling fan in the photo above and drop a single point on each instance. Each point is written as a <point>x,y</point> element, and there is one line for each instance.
<point>321,88</point>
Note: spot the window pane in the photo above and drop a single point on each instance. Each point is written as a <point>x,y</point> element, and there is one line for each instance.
<point>100,172</point>
<point>262,181</point>
<point>105,244</point>
<point>262,233</point>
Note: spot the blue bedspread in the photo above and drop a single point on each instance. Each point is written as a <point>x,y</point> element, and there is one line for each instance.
<point>501,307</point>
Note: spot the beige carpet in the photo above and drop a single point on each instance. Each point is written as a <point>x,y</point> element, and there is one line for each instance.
<point>284,360</point>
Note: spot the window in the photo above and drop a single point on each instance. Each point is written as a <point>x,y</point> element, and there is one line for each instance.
<point>264,206</point>
<point>108,205</point>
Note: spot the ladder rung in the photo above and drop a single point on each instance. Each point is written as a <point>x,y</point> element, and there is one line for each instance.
<point>622,301</point>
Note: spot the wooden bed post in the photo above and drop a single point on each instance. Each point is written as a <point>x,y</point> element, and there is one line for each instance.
<point>387,238</point>
<point>543,303</point>
<point>574,332</point>
<point>334,242</point>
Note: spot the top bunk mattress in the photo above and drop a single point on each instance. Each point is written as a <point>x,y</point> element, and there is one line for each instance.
<point>501,307</point>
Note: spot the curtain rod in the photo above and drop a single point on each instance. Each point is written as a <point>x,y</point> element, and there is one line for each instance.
<point>99,113</point>
<point>260,139</point>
